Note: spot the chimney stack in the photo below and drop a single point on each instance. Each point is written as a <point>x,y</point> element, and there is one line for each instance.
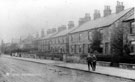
<point>96,14</point>
<point>81,21</point>
<point>49,31</point>
<point>119,7</point>
<point>53,30</point>
<point>107,11</point>
<point>70,24</point>
<point>42,33</point>
<point>61,28</point>
<point>85,19</point>
<point>37,35</point>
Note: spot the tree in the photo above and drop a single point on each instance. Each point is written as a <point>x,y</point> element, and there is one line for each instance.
<point>96,41</point>
<point>117,44</point>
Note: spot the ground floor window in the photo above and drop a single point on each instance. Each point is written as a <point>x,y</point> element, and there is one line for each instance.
<point>106,48</point>
<point>72,49</point>
<point>133,47</point>
<point>85,48</point>
<point>89,48</point>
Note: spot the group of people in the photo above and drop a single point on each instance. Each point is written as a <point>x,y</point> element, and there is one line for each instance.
<point>91,60</point>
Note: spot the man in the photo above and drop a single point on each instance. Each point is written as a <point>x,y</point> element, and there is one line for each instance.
<point>89,61</point>
<point>94,59</point>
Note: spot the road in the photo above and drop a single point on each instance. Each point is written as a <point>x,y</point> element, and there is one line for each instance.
<point>12,70</point>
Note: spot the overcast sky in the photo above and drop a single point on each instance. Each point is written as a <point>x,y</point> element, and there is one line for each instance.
<point>23,17</point>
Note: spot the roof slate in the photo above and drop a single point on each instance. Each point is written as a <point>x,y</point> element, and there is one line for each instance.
<point>64,32</point>
<point>49,35</point>
<point>101,22</point>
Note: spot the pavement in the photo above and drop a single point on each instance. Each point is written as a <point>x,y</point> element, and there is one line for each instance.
<point>109,71</point>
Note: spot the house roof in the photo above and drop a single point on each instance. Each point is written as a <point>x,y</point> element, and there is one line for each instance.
<point>57,34</point>
<point>49,35</point>
<point>130,18</point>
<point>101,22</point>
<point>64,32</point>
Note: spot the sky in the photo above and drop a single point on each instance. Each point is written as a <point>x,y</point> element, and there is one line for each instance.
<point>19,18</point>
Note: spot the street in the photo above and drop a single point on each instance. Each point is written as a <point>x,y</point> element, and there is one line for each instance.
<point>12,70</point>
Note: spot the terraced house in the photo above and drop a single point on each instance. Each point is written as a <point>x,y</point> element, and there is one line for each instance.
<point>80,38</point>
<point>60,39</point>
<point>77,40</point>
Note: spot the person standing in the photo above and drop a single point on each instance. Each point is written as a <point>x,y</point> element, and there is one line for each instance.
<point>89,61</point>
<point>94,59</point>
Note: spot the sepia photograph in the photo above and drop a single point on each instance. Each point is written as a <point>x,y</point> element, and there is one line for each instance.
<point>67,40</point>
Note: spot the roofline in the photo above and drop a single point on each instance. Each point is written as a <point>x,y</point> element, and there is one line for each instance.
<point>103,26</point>
<point>87,29</point>
<point>124,14</point>
<point>65,34</point>
<point>91,29</point>
<point>129,20</point>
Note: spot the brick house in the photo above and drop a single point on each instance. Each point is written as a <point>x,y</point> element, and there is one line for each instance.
<point>60,40</point>
<point>80,38</point>
<point>77,40</point>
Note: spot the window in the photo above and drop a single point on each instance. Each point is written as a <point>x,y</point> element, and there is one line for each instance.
<point>107,48</point>
<point>133,27</point>
<point>90,35</point>
<point>132,47</point>
<point>80,35</point>
<point>58,40</point>
<point>101,32</point>
<point>71,38</point>
<point>72,48</point>
<point>62,39</point>
<point>85,46</point>
<point>80,48</point>
<point>50,42</point>
<point>89,48</point>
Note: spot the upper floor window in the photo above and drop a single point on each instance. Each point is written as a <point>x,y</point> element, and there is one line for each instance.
<point>58,40</point>
<point>80,35</point>
<point>62,39</point>
<point>72,48</point>
<point>71,37</point>
<point>133,28</point>
<point>90,35</point>
<point>80,48</point>
<point>101,32</point>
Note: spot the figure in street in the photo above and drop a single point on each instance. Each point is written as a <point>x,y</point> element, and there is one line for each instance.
<point>94,59</point>
<point>89,61</point>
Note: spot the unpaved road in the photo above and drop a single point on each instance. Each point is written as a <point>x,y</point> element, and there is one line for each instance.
<point>12,70</point>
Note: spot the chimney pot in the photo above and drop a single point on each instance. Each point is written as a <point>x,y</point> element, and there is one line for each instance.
<point>70,24</point>
<point>85,19</point>
<point>61,28</point>
<point>107,11</point>
<point>119,7</point>
<point>97,14</point>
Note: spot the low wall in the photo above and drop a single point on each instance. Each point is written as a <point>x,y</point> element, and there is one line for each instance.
<point>77,59</point>
<point>121,65</point>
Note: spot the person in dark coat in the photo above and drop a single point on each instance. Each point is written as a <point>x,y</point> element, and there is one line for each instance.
<point>89,61</point>
<point>94,59</point>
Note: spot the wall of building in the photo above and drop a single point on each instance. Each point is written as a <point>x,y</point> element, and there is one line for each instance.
<point>79,43</point>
